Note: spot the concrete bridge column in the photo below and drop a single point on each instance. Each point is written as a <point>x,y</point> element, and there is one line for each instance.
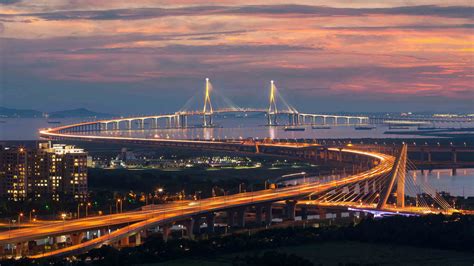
<point>241,217</point>
<point>429,157</point>
<point>76,238</point>
<point>21,249</point>
<point>322,214</point>
<point>304,213</point>
<point>291,209</point>
<point>103,232</point>
<point>189,225</point>
<point>166,229</point>
<point>138,239</point>
<point>454,156</point>
<point>454,171</point>
<point>324,120</point>
<point>258,214</point>
<point>124,242</point>
<point>230,218</point>
<point>197,225</point>
<point>210,221</point>
<point>176,121</point>
<point>268,214</point>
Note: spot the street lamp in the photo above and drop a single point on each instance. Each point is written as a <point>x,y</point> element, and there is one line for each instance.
<point>63,216</point>
<point>119,202</point>
<point>79,210</point>
<point>87,208</point>
<point>20,215</point>
<point>32,211</point>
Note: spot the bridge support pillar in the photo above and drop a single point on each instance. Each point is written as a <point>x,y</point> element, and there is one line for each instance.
<point>322,214</point>
<point>429,157</point>
<point>454,156</point>
<point>291,209</point>
<point>138,239</point>
<point>124,242</point>
<point>326,155</point>
<point>166,230</point>
<point>197,225</point>
<point>268,214</point>
<point>76,238</point>
<point>21,249</point>
<point>210,220</point>
<point>304,213</point>
<point>258,214</point>
<point>189,225</point>
<point>230,218</point>
<point>241,217</point>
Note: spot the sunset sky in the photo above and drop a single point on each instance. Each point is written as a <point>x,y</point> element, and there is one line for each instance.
<point>146,56</point>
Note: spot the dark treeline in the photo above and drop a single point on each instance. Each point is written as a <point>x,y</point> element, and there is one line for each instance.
<point>454,232</point>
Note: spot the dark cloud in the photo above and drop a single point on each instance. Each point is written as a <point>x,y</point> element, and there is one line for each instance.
<point>264,10</point>
<point>9,2</point>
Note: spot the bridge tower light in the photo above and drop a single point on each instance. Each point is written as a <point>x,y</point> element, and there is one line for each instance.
<point>272,108</point>
<point>207,109</point>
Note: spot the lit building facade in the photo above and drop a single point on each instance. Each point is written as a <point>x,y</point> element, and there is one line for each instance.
<point>50,171</point>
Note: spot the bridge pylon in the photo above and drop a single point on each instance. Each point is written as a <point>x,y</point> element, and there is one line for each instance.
<point>272,108</point>
<point>397,175</point>
<point>207,109</point>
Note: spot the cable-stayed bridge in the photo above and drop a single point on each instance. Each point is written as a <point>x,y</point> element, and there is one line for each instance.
<point>277,109</point>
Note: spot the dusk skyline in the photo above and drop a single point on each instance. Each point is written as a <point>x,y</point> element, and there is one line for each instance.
<point>146,57</point>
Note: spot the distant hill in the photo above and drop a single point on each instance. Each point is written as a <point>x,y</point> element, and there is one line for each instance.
<point>80,112</point>
<point>27,113</point>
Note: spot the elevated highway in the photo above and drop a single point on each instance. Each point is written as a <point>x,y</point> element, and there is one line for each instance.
<point>133,222</point>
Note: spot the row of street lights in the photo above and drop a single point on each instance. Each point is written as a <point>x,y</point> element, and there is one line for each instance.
<point>87,206</point>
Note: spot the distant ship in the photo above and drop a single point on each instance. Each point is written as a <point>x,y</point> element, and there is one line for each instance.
<point>431,127</point>
<point>398,127</point>
<point>321,127</point>
<point>364,127</point>
<point>294,129</point>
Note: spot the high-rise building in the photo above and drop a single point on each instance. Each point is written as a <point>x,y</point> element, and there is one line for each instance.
<point>50,171</point>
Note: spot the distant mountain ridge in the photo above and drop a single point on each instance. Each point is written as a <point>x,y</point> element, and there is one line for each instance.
<point>79,112</point>
<point>11,112</point>
<point>73,113</point>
